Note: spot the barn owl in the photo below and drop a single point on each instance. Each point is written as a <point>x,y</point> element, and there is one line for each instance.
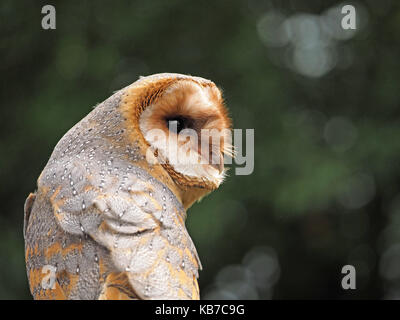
<point>107,220</point>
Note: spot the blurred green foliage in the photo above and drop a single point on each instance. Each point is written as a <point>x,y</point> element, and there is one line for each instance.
<point>325,189</point>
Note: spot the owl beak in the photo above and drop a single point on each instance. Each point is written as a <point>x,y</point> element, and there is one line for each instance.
<point>220,165</point>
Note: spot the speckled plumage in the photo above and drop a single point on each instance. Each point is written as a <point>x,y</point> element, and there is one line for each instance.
<point>111,224</point>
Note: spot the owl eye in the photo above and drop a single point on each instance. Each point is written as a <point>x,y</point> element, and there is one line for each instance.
<point>176,124</point>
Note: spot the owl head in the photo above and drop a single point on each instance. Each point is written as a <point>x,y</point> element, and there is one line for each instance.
<point>182,123</point>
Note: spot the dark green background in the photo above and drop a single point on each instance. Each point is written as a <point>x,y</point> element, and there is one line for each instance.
<point>325,189</point>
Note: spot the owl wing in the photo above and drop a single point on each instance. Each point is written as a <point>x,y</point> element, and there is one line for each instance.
<point>27,210</point>
<point>135,228</point>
